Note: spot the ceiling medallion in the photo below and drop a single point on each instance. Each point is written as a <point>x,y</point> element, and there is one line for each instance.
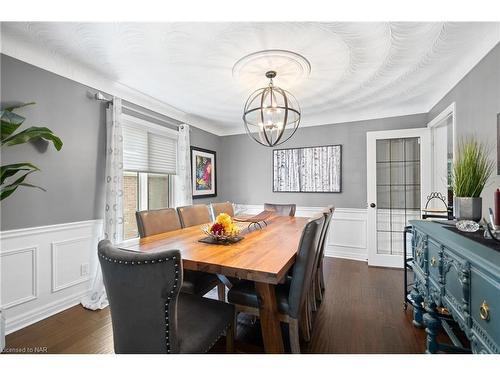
<point>291,66</point>
<point>271,115</point>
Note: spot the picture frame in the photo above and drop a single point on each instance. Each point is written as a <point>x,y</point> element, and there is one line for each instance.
<point>203,172</point>
<point>294,168</point>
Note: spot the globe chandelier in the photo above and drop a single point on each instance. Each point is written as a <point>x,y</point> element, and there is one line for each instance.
<point>271,115</point>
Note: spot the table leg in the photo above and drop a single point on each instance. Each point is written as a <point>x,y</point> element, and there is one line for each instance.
<point>269,319</point>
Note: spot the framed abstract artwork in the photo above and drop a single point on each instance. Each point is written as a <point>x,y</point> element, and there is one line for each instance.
<point>203,172</point>
<point>308,170</point>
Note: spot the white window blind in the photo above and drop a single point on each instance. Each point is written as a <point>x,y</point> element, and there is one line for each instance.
<point>148,147</point>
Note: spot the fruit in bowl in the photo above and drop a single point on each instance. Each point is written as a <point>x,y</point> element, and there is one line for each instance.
<point>224,228</point>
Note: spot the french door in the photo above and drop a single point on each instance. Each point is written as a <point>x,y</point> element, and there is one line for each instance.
<point>398,179</point>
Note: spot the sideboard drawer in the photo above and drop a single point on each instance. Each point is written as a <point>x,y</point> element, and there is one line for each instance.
<point>456,284</point>
<point>485,308</point>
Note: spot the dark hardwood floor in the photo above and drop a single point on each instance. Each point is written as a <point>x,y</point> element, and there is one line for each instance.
<point>362,313</point>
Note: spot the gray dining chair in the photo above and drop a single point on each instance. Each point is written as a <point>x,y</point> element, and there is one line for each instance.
<point>292,294</point>
<point>315,295</point>
<point>281,209</point>
<point>195,214</point>
<point>320,278</point>
<point>164,220</point>
<point>149,315</point>
<point>224,207</point>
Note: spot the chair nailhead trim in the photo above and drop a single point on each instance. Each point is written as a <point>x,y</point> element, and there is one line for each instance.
<point>176,279</point>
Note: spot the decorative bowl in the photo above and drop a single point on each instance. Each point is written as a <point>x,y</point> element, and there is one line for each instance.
<point>223,237</point>
<point>467,226</point>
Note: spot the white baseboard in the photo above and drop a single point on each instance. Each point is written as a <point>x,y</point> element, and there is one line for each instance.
<point>45,270</point>
<point>32,316</point>
<point>347,237</point>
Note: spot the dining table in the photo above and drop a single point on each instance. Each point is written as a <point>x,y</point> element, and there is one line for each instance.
<point>263,256</point>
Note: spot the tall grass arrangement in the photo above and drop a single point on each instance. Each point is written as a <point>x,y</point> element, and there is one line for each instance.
<point>471,168</point>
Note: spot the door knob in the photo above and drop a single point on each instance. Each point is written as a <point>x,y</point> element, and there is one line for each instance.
<point>373,205</point>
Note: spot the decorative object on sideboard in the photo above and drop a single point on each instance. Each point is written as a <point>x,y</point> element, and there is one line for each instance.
<point>491,231</point>
<point>467,226</point>
<point>271,114</point>
<point>437,213</point>
<point>471,170</point>
<point>17,173</point>
<point>204,172</point>
<point>308,169</point>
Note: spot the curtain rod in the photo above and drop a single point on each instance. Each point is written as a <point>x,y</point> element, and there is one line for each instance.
<point>100,97</point>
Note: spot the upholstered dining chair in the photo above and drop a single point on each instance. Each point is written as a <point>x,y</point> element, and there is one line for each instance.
<point>164,220</point>
<point>224,207</point>
<point>149,315</point>
<point>320,278</point>
<point>195,214</point>
<point>281,209</point>
<point>315,295</point>
<point>153,222</point>
<point>291,295</point>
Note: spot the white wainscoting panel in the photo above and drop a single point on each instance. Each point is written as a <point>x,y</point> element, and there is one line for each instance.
<point>347,235</point>
<point>45,270</point>
<point>19,268</point>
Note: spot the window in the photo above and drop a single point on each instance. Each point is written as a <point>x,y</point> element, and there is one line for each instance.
<point>150,160</point>
<point>143,191</point>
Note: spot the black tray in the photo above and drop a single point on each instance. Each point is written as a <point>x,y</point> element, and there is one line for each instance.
<point>214,241</point>
<point>477,236</point>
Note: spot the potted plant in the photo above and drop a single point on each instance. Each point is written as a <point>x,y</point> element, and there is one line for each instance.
<point>14,175</point>
<point>471,170</point>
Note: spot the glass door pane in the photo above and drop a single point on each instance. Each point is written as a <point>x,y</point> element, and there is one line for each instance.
<point>398,191</point>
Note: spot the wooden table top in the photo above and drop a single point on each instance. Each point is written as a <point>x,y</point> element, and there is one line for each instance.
<point>264,255</point>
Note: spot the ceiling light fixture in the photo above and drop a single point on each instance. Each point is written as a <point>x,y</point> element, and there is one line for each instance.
<point>271,115</point>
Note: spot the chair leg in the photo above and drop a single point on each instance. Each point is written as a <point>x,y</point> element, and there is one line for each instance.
<point>321,276</point>
<point>314,304</point>
<point>221,290</point>
<point>318,290</point>
<point>230,335</point>
<point>293,332</point>
<point>310,316</point>
<point>304,322</point>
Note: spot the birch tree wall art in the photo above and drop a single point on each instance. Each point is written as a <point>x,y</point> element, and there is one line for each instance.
<point>308,169</point>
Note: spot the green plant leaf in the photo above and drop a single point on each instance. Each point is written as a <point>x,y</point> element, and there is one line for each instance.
<point>10,170</point>
<point>7,190</point>
<point>12,107</point>
<point>472,168</point>
<point>33,133</point>
<point>10,122</point>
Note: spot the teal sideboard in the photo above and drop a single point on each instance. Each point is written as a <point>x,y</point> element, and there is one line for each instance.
<point>461,276</point>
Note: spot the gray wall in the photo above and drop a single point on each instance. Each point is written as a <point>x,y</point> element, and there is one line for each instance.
<point>248,172</point>
<point>72,177</point>
<point>477,98</point>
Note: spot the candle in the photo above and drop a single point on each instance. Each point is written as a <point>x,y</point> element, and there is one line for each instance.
<point>497,207</point>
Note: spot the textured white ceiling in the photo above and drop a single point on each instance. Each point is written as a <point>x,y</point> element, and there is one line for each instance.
<point>358,70</point>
